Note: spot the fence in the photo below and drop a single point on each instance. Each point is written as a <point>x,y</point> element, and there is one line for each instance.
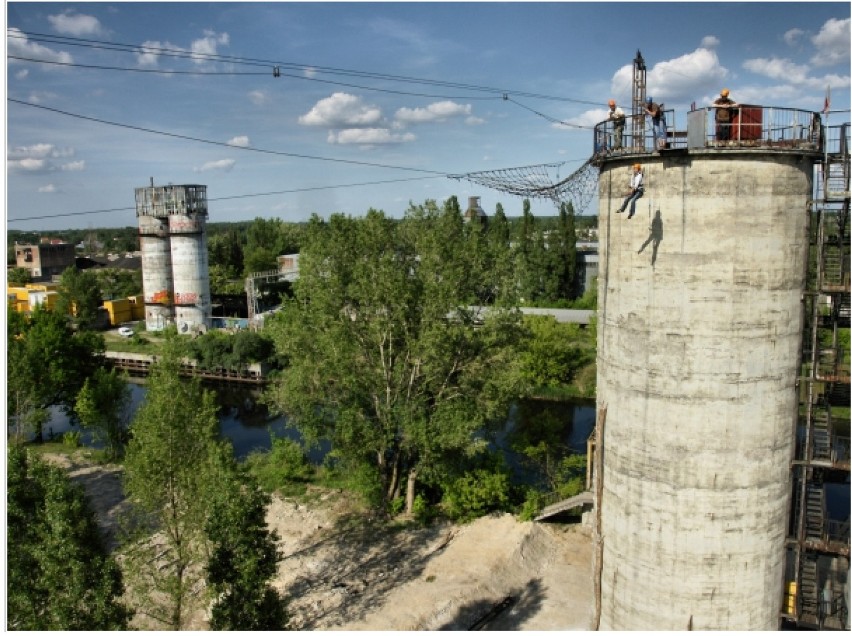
<point>748,127</point>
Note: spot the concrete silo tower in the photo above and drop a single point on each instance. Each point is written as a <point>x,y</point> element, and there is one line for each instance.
<point>699,344</point>
<point>173,240</point>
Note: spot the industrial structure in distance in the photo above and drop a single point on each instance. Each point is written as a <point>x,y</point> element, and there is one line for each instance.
<point>173,241</point>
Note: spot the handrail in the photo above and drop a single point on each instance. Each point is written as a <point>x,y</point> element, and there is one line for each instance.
<point>751,126</point>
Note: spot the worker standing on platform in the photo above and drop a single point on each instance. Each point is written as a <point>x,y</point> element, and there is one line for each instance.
<point>658,122</point>
<point>724,106</point>
<point>616,116</point>
<point>637,189</point>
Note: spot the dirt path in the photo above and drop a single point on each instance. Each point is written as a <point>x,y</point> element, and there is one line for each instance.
<point>352,576</point>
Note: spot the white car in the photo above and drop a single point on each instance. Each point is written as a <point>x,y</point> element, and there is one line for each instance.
<point>125,331</point>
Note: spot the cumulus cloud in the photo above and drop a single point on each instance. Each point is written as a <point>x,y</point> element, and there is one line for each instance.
<point>368,136</point>
<point>36,151</point>
<point>222,165</point>
<point>22,74</point>
<point>709,42</point>
<point>832,43</point>
<point>47,188</point>
<point>148,55</point>
<point>40,158</point>
<point>677,79</point>
<point>203,48</point>
<point>19,45</point>
<point>76,24</point>
<point>793,36</point>
<point>777,68</point>
<point>242,141</point>
<point>474,121</point>
<point>257,97</point>
<point>341,110</point>
<point>438,111</point>
<point>29,164</point>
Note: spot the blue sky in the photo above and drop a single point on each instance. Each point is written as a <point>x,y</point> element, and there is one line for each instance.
<point>339,130</point>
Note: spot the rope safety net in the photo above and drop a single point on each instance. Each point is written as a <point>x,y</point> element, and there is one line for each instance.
<point>535,182</point>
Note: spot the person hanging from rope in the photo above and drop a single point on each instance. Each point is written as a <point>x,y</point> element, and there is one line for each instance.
<point>637,189</point>
<point>616,116</point>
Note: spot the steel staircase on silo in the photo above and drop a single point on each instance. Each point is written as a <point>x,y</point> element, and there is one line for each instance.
<point>809,590</point>
<point>821,432</point>
<point>815,514</point>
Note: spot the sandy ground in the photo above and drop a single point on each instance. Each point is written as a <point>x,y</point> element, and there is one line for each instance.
<point>343,575</point>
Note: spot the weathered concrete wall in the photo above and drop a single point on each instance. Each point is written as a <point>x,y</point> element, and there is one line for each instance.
<point>699,330</point>
<point>157,283</point>
<point>190,271</point>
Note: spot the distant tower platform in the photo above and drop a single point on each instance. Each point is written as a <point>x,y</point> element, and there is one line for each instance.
<point>173,241</point>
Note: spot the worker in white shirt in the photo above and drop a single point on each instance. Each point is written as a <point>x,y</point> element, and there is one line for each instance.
<point>637,189</point>
<point>616,116</point>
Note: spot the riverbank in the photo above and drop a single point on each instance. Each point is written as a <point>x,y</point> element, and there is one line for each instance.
<point>357,576</point>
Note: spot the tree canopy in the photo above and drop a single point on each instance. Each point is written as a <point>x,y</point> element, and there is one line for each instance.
<point>387,360</point>
<point>60,576</point>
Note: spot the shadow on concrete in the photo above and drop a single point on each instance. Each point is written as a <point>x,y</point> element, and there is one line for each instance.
<point>654,238</point>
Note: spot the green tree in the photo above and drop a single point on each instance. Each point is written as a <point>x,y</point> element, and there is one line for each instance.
<point>243,557</point>
<point>19,276</point>
<point>47,363</point>
<point>60,576</point>
<point>554,352</point>
<point>170,476</point>
<point>385,361</point>
<point>80,295</point>
<point>103,405</point>
<point>226,251</point>
<point>118,283</point>
<point>564,246</point>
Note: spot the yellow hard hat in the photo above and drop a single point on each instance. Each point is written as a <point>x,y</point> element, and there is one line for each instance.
<point>612,102</point>
<point>637,166</point>
<point>725,92</point>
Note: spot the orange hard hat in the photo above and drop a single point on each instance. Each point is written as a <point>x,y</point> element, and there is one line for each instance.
<point>612,102</point>
<point>725,92</point>
<point>637,166</point>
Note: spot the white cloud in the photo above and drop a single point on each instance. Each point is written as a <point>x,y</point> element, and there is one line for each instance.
<point>22,74</point>
<point>36,151</point>
<point>224,165</point>
<point>310,72</point>
<point>777,68</point>
<point>709,42</point>
<point>18,44</point>
<point>368,136</point>
<point>27,165</point>
<point>257,97</point>
<point>438,111</point>
<point>474,121</point>
<point>149,53</point>
<point>242,141</point>
<point>793,36</point>
<point>38,158</point>
<point>832,43</point>
<point>77,24</point>
<point>678,79</point>
<point>47,188</point>
<point>341,110</point>
<point>204,47</point>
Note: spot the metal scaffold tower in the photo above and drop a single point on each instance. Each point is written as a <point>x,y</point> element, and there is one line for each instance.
<point>819,544</point>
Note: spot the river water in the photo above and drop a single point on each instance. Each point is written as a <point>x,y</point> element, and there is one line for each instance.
<point>248,425</point>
